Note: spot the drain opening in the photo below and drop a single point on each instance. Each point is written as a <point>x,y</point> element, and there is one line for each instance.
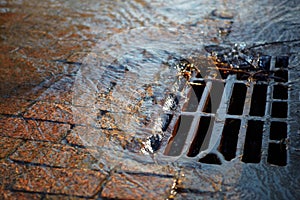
<point>216,93</point>
<point>230,138</point>
<point>281,76</point>
<point>258,100</point>
<point>166,120</point>
<point>179,135</point>
<point>253,141</point>
<point>279,109</point>
<point>282,62</point>
<point>237,99</point>
<point>194,97</point>
<point>280,92</point>
<point>202,138</point>
<point>278,131</point>
<point>277,154</point>
<point>211,158</point>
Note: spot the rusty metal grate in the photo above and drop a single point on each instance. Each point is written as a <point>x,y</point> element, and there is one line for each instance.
<point>247,120</point>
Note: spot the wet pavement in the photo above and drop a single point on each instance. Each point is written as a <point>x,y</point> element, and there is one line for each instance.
<point>79,86</point>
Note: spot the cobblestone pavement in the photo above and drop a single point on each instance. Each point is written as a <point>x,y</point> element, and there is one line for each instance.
<point>42,46</point>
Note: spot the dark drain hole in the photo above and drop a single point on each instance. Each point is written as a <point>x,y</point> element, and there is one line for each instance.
<point>166,120</point>
<point>281,76</point>
<point>201,140</point>
<point>214,98</point>
<point>280,92</point>
<point>282,62</point>
<point>279,109</point>
<point>211,159</point>
<point>195,97</point>
<point>253,141</point>
<point>237,99</point>
<point>278,130</point>
<point>179,135</point>
<point>258,100</point>
<point>230,138</point>
<point>277,154</point>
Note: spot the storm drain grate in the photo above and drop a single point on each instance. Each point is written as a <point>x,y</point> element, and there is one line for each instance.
<point>235,114</point>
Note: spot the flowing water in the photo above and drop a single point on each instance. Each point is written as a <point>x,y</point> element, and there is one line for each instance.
<point>127,67</point>
<point>142,39</point>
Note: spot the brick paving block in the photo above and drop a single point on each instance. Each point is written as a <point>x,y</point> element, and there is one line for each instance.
<point>113,156</point>
<point>17,72</point>
<point>8,145</point>
<point>205,195</point>
<point>134,166</point>
<point>5,49</point>
<point>56,155</point>
<point>84,115</point>
<point>50,111</point>
<point>75,182</point>
<point>118,119</point>
<point>77,57</point>
<point>13,195</point>
<point>62,113</point>
<point>32,129</point>
<point>8,173</point>
<point>59,92</point>
<point>107,121</point>
<point>74,44</point>
<point>87,136</point>
<point>82,98</point>
<point>128,186</point>
<point>66,197</point>
<point>92,137</point>
<point>201,181</point>
<point>118,137</point>
<point>13,106</point>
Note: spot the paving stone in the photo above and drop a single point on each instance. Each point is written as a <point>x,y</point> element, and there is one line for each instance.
<point>152,168</point>
<point>88,136</point>
<point>13,106</point>
<point>17,72</point>
<point>73,43</point>
<point>8,145</point>
<point>8,173</point>
<point>59,92</point>
<point>57,96</point>
<point>50,111</point>
<point>84,183</point>
<point>107,121</point>
<point>133,186</point>
<point>199,196</point>
<point>198,181</point>
<point>64,197</point>
<point>84,115</point>
<point>81,97</point>
<point>56,155</point>
<point>77,57</point>
<point>61,113</point>
<point>13,195</point>
<point>32,129</point>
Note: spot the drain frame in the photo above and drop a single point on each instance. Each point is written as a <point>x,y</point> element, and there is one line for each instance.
<point>213,138</point>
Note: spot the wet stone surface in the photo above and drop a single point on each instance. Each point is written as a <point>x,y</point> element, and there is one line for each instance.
<point>135,186</point>
<point>8,146</point>
<point>87,86</point>
<point>59,181</point>
<point>32,129</point>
